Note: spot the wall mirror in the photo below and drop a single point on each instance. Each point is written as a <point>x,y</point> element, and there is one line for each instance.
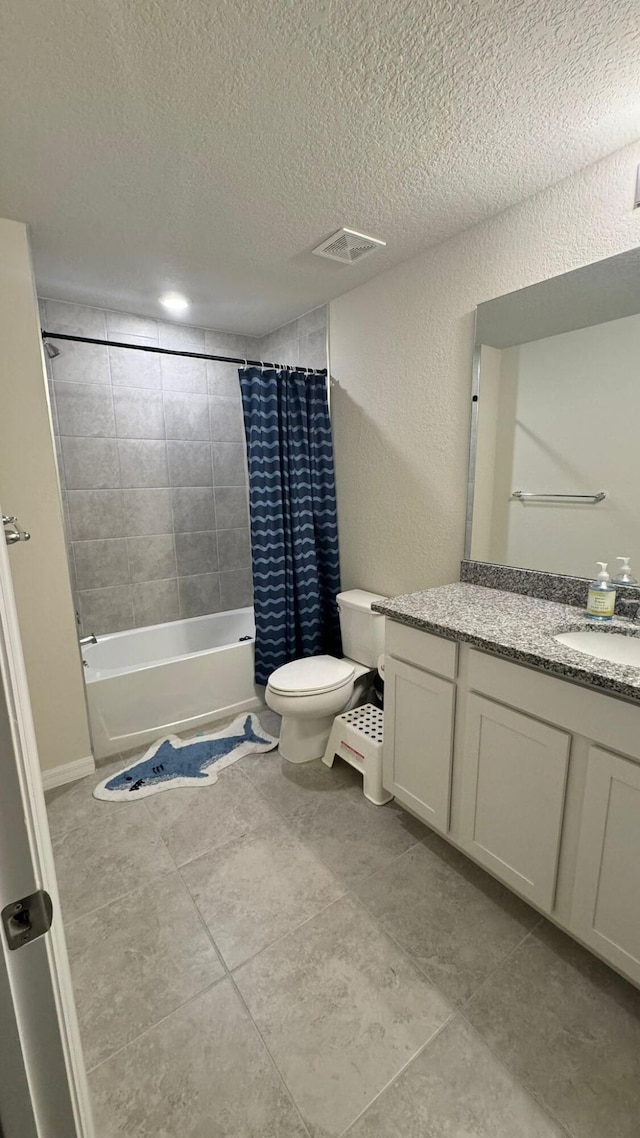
<point>555,450</point>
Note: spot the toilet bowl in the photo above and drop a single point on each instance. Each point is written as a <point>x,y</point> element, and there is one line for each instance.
<point>309,693</point>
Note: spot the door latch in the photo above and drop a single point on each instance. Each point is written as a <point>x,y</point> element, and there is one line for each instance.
<point>27,919</point>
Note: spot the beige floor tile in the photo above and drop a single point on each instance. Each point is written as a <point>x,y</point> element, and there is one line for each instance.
<point>298,789</point>
<point>456,921</point>
<point>201,1073</point>
<point>73,805</point>
<point>569,1028</point>
<point>194,821</point>
<point>456,1088</point>
<point>342,1010</point>
<point>258,888</point>
<point>356,838</point>
<point>100,862</point>
<point>135,961</point>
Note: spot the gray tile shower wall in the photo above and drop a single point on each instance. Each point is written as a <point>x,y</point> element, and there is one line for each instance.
<point>152,465</point>
<point>302,341</point>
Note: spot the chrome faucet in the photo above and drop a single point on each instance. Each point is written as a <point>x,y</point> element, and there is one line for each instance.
<point>90,639</point>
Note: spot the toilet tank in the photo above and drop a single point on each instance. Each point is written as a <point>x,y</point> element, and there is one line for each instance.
<point>362,630</point>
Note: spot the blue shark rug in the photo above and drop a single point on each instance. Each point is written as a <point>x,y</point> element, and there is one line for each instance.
<point>174,762</point>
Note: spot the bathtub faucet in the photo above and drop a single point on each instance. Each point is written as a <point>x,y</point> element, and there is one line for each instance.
<point>90,639</point>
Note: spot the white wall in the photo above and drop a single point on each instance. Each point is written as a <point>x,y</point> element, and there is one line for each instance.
<point>574,406</point>
<point>401,348</point>
<point>29,488</point>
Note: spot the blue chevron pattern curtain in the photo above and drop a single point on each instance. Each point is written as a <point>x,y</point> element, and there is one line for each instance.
<point>294,530</point>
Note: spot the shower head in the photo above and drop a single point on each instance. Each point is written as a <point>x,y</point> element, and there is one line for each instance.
<point>51,349</point>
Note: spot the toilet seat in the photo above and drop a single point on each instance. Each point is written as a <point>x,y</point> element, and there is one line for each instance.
<point>314,675</point>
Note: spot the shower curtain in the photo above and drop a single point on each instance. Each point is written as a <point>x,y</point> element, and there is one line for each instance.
<point>294,531</point>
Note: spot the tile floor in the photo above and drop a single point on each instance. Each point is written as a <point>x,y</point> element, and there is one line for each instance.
<point>274,957</point>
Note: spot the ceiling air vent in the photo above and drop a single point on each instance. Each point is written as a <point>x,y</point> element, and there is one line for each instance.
<point>348,246</point>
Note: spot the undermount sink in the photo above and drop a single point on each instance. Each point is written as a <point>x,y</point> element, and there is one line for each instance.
<point>614,646</point>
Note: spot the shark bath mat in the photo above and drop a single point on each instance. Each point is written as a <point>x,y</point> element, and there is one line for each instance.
<point>173,762</point>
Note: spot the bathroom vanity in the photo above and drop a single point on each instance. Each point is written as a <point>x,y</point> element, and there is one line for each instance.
<point>522,752</point>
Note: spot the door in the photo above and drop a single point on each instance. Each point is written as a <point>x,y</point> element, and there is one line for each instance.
<point>418,740</point>
<point>512,796</point>
<point>43,1091</point>
<point>606,898</point>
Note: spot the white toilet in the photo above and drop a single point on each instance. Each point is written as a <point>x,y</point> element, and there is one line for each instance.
<point>309,693</point>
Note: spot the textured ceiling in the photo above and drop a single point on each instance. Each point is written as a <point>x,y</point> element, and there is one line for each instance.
<point>208,145</point>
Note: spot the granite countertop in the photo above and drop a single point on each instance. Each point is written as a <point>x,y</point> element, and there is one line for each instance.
<point>519,628</point>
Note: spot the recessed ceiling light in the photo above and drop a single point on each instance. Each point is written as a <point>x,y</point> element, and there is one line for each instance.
<point>174,301</point>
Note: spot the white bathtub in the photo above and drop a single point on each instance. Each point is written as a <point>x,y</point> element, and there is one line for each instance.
<point>147,682</point>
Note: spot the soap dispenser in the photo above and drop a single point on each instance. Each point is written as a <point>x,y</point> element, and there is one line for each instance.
<point>624,576</point>
<point>602,595</point>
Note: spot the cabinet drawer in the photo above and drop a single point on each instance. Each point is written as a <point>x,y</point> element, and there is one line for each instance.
<point>422,649</point>
<point>514,772</point>
<point>580,710</point>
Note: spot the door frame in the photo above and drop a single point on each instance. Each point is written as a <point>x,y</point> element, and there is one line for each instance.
<point>45,1091</point>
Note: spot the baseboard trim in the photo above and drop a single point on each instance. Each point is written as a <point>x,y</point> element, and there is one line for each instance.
<point>68,772</point>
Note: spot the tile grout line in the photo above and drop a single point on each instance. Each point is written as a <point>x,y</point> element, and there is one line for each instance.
<point>203,923</point>
<point>209,849</point>
<point>457,1012</point>
<point>450,1019</point>
<point>236,967</point>
<point>384,868</point>
<point>124,520</point>
<point>275,1066</point>
<point>520,1081</point>
<point>421,967</point>
<point>154,877</point>
<point>121,897</point>
<point>499,966</point>
<point>153,1026</point>
<point>179,867</point>
<point>173,520</point>
<point>427,976</point>
<point>347,891</point>
<point>296,928</point>
<point>219,957</point>
<point>231,973</point>
<point>228,975</point>
<point>290,818</point>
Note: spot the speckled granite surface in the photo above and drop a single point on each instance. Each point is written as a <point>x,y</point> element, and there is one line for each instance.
<point>534,583</point>
<point>519,628</point>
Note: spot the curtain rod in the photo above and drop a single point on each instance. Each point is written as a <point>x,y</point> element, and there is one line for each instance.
<point>175,352</point>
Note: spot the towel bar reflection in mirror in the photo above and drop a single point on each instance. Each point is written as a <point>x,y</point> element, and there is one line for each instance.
<point>522,496</point>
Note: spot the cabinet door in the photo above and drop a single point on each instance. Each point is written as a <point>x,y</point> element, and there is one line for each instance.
<point>606,898</point>
<point>512,796</point>
<point>418,740</point>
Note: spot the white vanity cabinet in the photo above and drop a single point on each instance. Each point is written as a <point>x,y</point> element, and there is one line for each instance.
<point>606,898</point>
<point>419,721</point>
<point>535,778</point>
<point>514,772</point>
